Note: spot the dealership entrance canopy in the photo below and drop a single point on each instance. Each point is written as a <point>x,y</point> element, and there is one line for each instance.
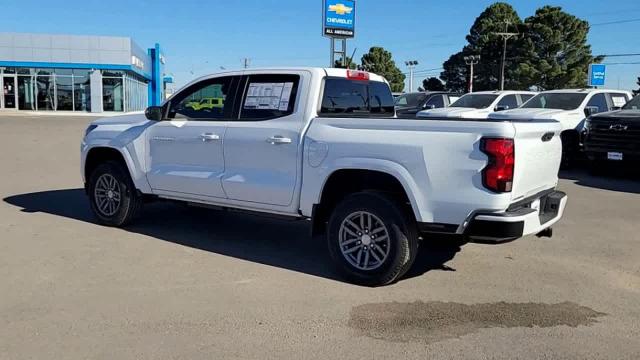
<point>42,72</point>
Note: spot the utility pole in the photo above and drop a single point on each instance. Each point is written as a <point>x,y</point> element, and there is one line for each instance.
<point>471,60</point>
<point>411,65</point>
<point>246,62</point>
<point>506,35</point>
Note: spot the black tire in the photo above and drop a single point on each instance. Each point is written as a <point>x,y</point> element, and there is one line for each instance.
<point>569,149</point>
<point>130,202</point>
<point>401,250</point>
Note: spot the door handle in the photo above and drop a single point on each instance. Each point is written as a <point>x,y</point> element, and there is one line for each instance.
<point>209,137</point>
<point>278,140</point>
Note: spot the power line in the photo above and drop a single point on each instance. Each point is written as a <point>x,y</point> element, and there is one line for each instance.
<point>619,55</point>
<point>616,22</point>
<point>623,63</point>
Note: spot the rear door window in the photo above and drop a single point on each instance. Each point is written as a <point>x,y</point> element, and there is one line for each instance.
<point>618,100</point>
<point>508,102</point>
<point>269,96</point>
<point>436,101</point>
<point>356,98</point>
<point>525,97</point>
<point>599,101</point>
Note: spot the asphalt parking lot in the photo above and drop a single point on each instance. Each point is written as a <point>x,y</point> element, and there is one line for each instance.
<point>201,284</point>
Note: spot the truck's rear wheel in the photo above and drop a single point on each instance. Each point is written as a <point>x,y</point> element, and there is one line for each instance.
<point>113,197</point>
<point>372,239</point>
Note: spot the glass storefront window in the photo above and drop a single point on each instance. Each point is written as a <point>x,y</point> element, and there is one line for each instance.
<point>64,93</point>
<point>112,94</point>
<point>70,89</point>
<point>26,95</point>
<point>45,93</point>
<point>67,72</point>
<point>112,73</point>
<point>81,72</point>
<point>81,93</point>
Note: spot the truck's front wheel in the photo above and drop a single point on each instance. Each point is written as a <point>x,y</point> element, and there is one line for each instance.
<point>372,239</point>
<point>113,196</point>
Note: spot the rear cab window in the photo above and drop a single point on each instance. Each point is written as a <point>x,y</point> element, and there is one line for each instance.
<point>356,98</point>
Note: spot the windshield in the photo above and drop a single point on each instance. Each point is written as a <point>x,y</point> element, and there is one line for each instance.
<point>413,100</point>
<point>634,104</point>
<point>476,101</point>
<point>559,101</point>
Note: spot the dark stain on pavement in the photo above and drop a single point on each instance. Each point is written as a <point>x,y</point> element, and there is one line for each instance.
<point>436,321</point>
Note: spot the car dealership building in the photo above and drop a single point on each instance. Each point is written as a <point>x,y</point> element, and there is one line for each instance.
<point>43,72</point>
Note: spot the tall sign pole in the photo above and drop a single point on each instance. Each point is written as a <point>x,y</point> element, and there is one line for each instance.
<point>338,24</point>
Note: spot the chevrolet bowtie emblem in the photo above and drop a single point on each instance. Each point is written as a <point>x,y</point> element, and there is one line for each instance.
<point>340,9</point>
<point>618,127</point>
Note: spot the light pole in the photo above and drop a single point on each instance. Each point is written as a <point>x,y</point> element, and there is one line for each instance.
<point>411,65</point>
<point>471,60</point>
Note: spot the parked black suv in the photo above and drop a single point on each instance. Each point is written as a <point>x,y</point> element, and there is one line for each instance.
<point>614,136</point>
<point>408,105</point>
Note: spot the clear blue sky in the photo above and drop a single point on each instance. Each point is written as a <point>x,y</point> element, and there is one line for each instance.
<point>199,37</point>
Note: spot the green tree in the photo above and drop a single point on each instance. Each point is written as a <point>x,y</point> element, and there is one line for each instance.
<point>555,53</point>
<point>432,84</point>
<point>380,61</point>
<point>350,64</point>
<point>482,40</point>
<point>637,92</point>
<point>455,73</point>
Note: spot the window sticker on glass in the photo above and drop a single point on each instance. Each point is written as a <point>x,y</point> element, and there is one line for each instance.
<point>268,96</point>
<point>618,101</point>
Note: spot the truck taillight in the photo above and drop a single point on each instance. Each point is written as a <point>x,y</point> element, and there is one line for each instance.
<point>497,176</point>
<point>357,75</point>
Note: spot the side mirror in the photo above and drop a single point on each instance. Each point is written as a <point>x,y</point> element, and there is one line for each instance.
<point>590,110</point>
<point>502,107</point>
<point>429,106</point>
<point>154,113</point>
<point>616,108</point>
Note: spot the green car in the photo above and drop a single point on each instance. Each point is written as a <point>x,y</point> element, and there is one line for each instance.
<point>206,103</point>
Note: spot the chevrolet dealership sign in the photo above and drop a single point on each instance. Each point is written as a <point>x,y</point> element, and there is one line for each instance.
<point>339,17</point>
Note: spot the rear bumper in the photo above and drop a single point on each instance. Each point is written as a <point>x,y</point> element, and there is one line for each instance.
<point>532,218</point>
<point>629,156</point>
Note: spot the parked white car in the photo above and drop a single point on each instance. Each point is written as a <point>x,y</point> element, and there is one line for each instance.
<point>569,107</point>
<point>323,145</point>
<point>479,105</point>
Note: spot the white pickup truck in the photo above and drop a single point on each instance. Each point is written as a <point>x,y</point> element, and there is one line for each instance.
<point>479,105</point>
<point>323,145</point>
<point>570,107</point>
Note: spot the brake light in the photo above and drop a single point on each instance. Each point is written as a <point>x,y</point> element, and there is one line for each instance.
<point>497,176</point>
<point>357,75</point>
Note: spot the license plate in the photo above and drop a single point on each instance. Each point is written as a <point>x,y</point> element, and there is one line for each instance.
<point>614,156</point>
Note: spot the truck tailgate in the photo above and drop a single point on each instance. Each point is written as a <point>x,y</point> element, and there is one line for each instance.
<point>538,152</point>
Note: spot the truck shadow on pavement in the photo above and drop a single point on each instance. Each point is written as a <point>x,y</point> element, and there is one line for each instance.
<point>272,242</point>
<point>614,179</point>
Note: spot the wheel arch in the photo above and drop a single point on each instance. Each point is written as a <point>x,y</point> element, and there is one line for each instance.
<point>101,154</point>
<point>348,180</point>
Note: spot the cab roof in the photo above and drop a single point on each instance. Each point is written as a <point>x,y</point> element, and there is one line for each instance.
<point>506,92</point>
<point>581,91</point>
